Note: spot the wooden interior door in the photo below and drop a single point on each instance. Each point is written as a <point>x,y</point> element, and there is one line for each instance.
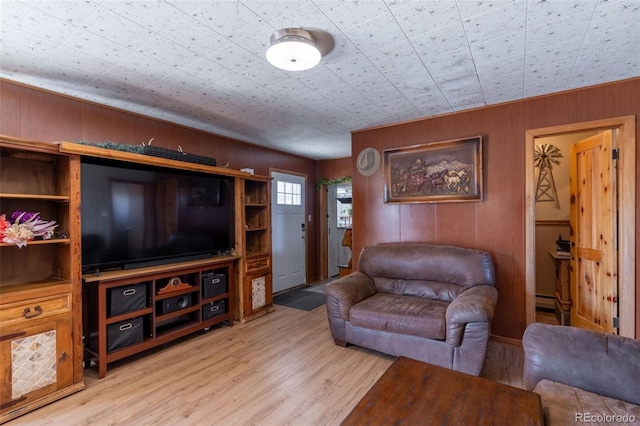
<point>594,283</point>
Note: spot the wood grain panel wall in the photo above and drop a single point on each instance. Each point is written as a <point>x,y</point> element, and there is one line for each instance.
<point>32,113</point>
<point>496,224</point>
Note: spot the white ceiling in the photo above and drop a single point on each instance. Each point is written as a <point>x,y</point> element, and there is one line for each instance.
<point>202,63</point>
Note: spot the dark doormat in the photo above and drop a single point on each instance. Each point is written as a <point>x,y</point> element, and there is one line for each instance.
<point>300,298</point>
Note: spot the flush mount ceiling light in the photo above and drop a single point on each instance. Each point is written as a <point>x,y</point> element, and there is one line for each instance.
<point>293,49</point>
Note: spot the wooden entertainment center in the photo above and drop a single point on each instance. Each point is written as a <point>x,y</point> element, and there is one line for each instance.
<point>42,287</point>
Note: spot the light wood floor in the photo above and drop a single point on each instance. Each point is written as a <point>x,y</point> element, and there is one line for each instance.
<point>281,369</point>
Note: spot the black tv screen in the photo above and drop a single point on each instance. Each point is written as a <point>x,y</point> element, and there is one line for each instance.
<point>135,215</point>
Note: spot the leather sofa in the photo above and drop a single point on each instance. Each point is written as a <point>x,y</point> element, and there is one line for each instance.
<point>432,303</point>
<point>582,376</point>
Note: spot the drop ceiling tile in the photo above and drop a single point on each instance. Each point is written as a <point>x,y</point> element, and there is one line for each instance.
<point>234,57</point>
<point>589,76</point>
<point>34,21</point>
<point>392,55</point>
<point>71,12</point>
<point>339,92</point>
<point>565,28</point>
<point>547,79</point>
<point>546,12</point>
<point>168,52</point>
<point>155,15</point>
<point>499,81</point>
<point>434,45</point>
<point>371,83</point>
<point>195,36</point>
<point>414,88</point>
<point>96,46</point>
<point>458,62</point>
<point>207,70</point>
<point>505,94</point>
<point>67,58</point>
<point>291,14</point>
<point>409,70</point>
<point>239,84</point>
<point>145,65</point>
<point>318,78</point>
<point>500,66</point>
<point>497,22</point>
<point>623,38</point>
<point>539,56</point>
<point>611,14</point>
<point>420,17</point>
<point>508,47</point>
<point>371,35</point>
<point>349,13</point>
<point>33,46</point>
<point>114,27</point>
<point>358,66</point>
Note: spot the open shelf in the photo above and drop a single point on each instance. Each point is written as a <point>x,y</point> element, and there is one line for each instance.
<point>163,316</point>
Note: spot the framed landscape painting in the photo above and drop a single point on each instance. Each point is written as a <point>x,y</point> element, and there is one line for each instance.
<point>438,172</point>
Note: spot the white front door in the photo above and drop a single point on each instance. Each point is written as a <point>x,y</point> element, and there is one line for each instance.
<point>288,230</point>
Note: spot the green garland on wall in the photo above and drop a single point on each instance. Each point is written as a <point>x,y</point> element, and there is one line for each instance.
<point>323,181</point>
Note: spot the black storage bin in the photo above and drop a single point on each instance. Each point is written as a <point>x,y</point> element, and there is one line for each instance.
<point>214,309</point>
<point>213,284</point>
<point>127,298</point>
<point>125,333</point>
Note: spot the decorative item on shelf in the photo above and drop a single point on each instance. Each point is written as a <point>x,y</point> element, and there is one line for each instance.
<point>154,151</point>
<point>26,226</point>
<point>174,284</point>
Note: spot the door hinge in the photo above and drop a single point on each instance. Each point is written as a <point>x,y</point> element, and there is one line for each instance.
<point>616,322</point>
<point>616,153</point>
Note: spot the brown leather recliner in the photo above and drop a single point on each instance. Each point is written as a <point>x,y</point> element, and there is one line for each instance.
<point>432,303</point>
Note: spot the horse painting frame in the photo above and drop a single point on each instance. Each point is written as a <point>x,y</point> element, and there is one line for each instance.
<point>437,172</point>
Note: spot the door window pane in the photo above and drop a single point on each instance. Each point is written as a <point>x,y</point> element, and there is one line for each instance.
<point>289,193</point>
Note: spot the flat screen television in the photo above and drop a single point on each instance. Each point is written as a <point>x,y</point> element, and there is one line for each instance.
<point>136,215</point>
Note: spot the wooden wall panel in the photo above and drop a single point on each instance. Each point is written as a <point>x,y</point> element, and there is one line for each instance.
<point>101,124</point>
<point>9,109</point>
<point>335,169</point>
<point>496,224</point>
<point>52,118</point>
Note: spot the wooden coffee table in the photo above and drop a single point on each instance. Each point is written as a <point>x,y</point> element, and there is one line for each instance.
<point>415,393</point>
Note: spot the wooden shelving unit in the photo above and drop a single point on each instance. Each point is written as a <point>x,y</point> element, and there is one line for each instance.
<point>161,315</point>
<point>40,284</point>
<point>255,280</point>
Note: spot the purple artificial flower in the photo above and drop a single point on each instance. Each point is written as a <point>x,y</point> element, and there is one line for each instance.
<point>26,216</point>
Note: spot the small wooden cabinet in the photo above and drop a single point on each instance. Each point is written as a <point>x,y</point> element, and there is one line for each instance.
<point>134,310</point>
<point>255,290</point>
<point>40,284</point>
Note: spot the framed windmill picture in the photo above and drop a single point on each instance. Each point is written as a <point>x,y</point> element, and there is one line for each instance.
<point>438,172</point>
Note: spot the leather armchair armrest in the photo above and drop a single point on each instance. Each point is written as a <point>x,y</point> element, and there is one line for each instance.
<point>601,363</point>
<point>347,291</point>
<point>475,304</point>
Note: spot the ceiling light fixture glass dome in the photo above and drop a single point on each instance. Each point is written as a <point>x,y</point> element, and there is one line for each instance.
<point>293,49</point>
